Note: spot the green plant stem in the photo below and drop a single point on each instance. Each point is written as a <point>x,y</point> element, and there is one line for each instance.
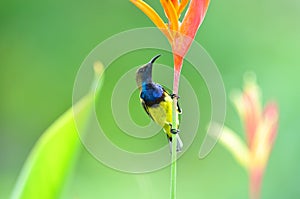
<point>173,167</point>
<point>174,153</point>
<point>174,137</point>
<point>173,178</point>
<point>255,177</point>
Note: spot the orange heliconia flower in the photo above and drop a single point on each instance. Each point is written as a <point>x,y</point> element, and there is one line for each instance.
<point>260,127</point>
<point>179,33</point>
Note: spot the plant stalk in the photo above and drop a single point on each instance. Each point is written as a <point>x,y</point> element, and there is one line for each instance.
<point>255,176</point>
<point>174,137</point>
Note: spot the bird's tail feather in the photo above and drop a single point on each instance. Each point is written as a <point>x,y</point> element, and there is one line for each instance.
<point>179,144</point>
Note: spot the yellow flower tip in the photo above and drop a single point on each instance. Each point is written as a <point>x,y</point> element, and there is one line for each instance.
<point>154,17</point>
<point>171,14</point>
<point>236,98</point>
<point>98,68</point>
<point>175,4</point>
<point>135,1</point>
<point>252,90</point>
<point>250,85</point>
<point>182,6</point>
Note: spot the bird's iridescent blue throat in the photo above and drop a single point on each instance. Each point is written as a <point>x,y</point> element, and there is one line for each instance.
<point>151,92</point>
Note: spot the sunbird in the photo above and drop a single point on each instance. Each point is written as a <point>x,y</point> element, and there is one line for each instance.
<point>157,102</point>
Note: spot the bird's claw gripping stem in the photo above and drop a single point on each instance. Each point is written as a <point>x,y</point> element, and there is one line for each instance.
<point>178,107</point>
<point>174,95</point>
<point>174,131</point>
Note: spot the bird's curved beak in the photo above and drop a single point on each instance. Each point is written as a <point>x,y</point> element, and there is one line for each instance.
<point>154,59</point>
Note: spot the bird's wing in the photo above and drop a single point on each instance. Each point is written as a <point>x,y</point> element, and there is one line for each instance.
<point>145,107</point>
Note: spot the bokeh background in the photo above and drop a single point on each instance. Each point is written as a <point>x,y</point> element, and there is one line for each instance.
<point>43,43</point>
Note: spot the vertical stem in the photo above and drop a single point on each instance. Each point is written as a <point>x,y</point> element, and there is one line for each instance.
<point>174,125</point>
<point>255,183</point>
<point>173,169</point>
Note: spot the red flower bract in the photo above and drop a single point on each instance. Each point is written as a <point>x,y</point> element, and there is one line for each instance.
<point>261,128</point>
<point>180,35</point>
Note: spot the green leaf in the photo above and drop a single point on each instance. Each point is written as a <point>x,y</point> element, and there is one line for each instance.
<point>53,156</point>
<point>51,159</point>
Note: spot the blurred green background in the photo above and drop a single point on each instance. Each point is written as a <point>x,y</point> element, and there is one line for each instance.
<point>43,43</point>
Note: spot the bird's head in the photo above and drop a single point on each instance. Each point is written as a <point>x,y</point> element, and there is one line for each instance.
<point>144,73</point>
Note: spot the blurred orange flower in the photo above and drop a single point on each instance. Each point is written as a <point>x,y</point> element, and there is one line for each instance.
<point>260,127</point>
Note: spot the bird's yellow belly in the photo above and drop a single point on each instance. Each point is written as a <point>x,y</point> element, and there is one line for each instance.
<point>161,113</point>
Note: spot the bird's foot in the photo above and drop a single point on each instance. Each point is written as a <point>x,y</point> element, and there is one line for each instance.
<point>174,131</point>
<point>178,107</point>
<point>174,95</point>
